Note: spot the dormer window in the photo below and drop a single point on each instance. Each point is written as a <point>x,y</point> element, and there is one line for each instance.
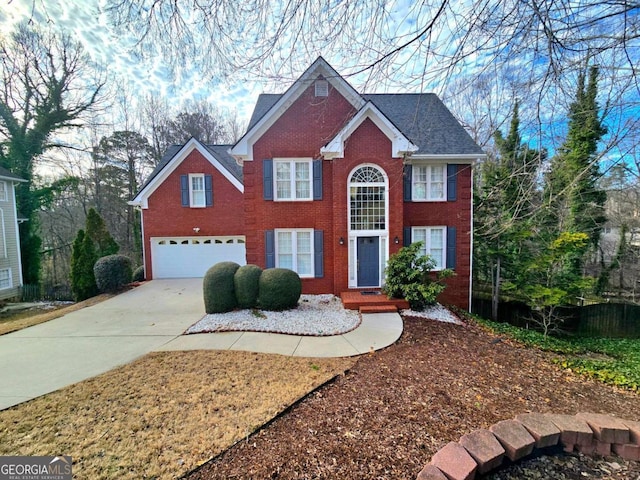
<point>322,88</point>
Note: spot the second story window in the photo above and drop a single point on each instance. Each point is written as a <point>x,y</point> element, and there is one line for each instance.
<point>429,182</point>
<point>293,179</point>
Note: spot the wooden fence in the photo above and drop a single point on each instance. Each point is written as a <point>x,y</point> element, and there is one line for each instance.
<point>614,320</point>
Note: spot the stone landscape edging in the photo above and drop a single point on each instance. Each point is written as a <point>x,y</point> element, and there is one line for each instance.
<point>485,450</point>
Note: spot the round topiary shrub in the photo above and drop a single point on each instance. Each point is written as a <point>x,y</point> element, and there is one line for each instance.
<point>247,282</point>
<point>112,272</point>
<point>218,288</point>
<point>138,274</point>
<point>280,289</point>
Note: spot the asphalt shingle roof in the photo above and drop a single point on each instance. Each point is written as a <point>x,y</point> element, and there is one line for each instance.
<point>421,117</point>
<point>220,152</point>
<point>4,173</point>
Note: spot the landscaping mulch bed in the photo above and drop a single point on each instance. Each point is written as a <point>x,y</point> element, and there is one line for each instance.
<point>395,408</point>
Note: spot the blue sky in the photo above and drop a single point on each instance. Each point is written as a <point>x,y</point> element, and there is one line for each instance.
<point>81,19</point>
<point>420,67</point>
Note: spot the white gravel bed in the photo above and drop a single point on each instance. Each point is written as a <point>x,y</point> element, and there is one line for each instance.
<point>434,312</point>
<point>317,315</point>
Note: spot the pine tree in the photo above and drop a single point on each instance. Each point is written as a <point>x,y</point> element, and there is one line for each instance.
<point>572,200</point>
<point>504,204</point>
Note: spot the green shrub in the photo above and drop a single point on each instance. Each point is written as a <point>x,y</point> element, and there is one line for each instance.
<point>83,257</point>
<point>138,274</point>
<point>408,276</point>
<point>247,285</point>
<point>279,289</point>
<point>112,272</point>
<point>218,288</point>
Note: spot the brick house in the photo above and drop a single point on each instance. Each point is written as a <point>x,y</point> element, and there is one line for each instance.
<point>326,181</point>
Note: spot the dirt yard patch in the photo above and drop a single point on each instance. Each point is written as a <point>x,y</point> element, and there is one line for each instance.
<point>162,415</point>
<point>18,321</point>
<point>395,408</point>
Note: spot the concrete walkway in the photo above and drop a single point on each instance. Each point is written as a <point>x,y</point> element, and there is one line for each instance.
<point>151,317</point>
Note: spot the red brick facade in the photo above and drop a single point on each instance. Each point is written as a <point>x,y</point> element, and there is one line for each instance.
<point>301,128</point>
<point>167,217</point>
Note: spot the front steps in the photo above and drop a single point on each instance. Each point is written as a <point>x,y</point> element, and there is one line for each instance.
<point>371,301</point>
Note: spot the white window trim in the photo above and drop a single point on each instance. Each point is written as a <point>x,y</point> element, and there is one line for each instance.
<point>368,233</point>
<point>204,192</point>
<point>427,245</point>
<point>4,195</point>
<point>9,279</point>
<point>292,179</point>
<point>428,198</point>
<point>3,239</point>
<point>294,245</point>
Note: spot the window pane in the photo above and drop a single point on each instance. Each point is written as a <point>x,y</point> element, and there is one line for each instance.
<point>420,235</point>
<point>303,184</point>
<point>304,257</point>
<point>420,183</point>
<point>437,244</point>
<point>283,180</point>
<point>285,250</point>
<point>284,242</point>
<point>437,182</point>
<point>197,191</point>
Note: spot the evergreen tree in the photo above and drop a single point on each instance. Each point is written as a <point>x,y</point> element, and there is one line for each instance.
<point>572,200</point>
<point>504,203</point>
<point>83,258</point>
<point>98,233</point>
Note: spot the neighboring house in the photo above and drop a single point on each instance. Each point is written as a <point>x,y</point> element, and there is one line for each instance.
<point>332,183</point>
<point>10,261</point>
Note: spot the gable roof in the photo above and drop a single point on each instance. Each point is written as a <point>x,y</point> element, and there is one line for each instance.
<point>7,175</point>
<point>274,107</point>
<point>421,118</point>
<point>217,155</point>
<point>400,144</point>
<point>427,122</point>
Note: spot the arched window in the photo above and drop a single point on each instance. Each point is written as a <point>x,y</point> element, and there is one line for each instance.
<point>367,204</point>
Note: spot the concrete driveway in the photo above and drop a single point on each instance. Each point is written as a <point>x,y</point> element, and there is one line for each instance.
<point>91,341</point>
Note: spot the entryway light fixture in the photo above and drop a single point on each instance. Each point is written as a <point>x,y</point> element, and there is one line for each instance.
<point>341,241</point>
<point>396,240</point>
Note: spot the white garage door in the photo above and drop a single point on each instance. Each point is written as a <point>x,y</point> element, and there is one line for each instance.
<point>185,257</point>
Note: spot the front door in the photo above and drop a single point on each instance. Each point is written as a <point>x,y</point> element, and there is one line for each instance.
<point>368,262</point>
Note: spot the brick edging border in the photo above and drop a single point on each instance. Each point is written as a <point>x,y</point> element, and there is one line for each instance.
<point>484,450</point>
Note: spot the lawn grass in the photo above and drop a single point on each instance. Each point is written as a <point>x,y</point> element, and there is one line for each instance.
<point>162,415</point>
<point>612,360</point>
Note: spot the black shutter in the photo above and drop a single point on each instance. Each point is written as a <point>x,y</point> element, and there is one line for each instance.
<point>269,249</point>
<point>208,190</point>
<point>406,182</point>
<point>184,190</point>
<point>318,253</point>
<point>317,179</point>
<point>452,182</point>
<point>406,236</point>
<point>267,179</point>
<point>451,247</point>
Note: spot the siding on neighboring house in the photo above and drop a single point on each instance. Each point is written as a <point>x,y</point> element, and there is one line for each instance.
<point>9,253</point>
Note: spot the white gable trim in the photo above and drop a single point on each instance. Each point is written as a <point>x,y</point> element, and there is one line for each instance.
<point>400,145</point>
<point>243,150</point>
<point>142,198</point>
